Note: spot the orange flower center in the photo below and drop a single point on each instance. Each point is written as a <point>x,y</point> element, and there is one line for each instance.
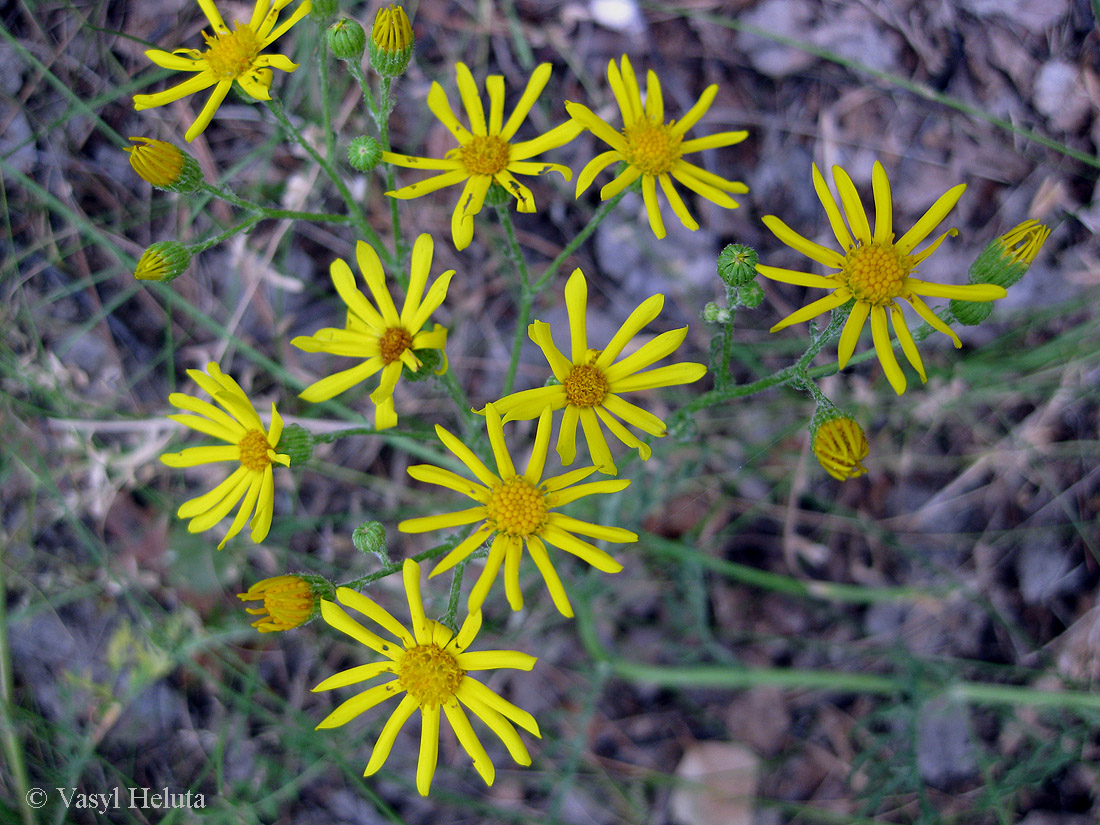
<point>485,154</point>
<point>392,343</point>
<point>652,147</point>
<point>586,386</point>
<point>254,449</point>
<point>516,508</point>
<point>230,55</point>
<point>430,674</point>
<point>876,273</point>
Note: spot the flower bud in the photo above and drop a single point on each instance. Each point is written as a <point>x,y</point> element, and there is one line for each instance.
<point>1005,260</point>
<point>838,442</point>
<point>347,40</point>
<point>737,265</point>
<point>391,41</point>
<point>289,601</point>
<point>370,537</point>
<point>297,442</point>
<point>751,295</point>
<point>163,261</point>
<point>164,165</point>
<point>714,314</point>
<point>364,153</point>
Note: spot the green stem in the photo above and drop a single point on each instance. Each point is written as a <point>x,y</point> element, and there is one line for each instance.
<point>273,214</point>
<point>427,555</point>
<point>12,746</point>
<point>380,114</point>
<point>360,219</point>
<point>246,224</point>
<point>722,374</point>
<point>458,395</point>
<point>326,103</point>
<point>455,595</point>
<point>526,299</point>
<point>590,227</point>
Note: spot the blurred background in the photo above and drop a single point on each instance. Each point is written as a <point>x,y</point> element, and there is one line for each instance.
<point>967,556</point>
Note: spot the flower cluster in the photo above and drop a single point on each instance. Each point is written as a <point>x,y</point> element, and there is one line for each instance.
<point>595,386</point>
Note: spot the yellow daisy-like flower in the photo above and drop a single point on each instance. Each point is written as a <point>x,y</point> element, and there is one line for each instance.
<point>653,149</point>
<point>485,152</point>
<point>385,339</point>
<point>591,383</point>
<point>517,510</point>
<point>229,55</point>
<point>874,270</point>
<point>432,665</point>
<point>252,446</point>
<point>288,602</point>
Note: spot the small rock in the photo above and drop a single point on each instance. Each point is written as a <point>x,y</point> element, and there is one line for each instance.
<point>1060,95</point>
<point>944,751</point>
<point>717,785</point>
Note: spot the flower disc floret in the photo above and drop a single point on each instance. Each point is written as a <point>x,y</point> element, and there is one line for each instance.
<point>516,508</point>
<point>653,147</point>
<point>875,273</point>
<point>873,270</point>
<point>485,155</point>
<point>254,449</point>
<point>432,666</point>
<point>231,54</point>
<point>586,386</point>
<point>288,602</point>
<point>430,674</point>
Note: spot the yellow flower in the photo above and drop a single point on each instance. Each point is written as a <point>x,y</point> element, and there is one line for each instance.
<point>229,55</point>
<point>517,510</point>
<point>250,445</point>
<point>392,31</point>
<point>840,445</point>
<point>288,603</point>
<point>873,270</point>
<point>653,149</point>
<point>432,665</point>
<point>485,152</point>
<point>591,385</point>
<point>385,339</point>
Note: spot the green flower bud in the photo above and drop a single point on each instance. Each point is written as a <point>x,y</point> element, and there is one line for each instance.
<point>1008,257</point>
<point>364,153</point>
<point>751,295</point>
<point>347,39</point>
<point>165,166</point>
<point>391,41</point>
<point>737,265</point>
<point>297,442</point>
<point>163,261</point>
<point>714,314</point>
<point>971,313</point>
<point>370,537</point>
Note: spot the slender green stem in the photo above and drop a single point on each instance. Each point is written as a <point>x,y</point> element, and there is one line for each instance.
<point>360,219</point>
<point>722,371</point>
<point>455,595</point>
<point>571,247</point>
<point>274,214</point>
<point>244,225</point>
<point>458,395</point>
<point>326,102</point>
<point>329,437</point>
<point>380,114</point>
<point>526,299</point>
<point>427,555</point>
